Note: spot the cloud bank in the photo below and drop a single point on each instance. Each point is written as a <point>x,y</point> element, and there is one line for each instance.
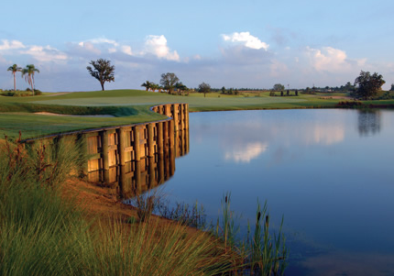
<point>242,60</point>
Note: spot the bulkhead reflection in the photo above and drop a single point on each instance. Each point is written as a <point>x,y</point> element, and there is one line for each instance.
<point>137,177</point>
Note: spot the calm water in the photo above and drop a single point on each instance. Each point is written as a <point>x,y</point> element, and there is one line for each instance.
<point>329,172</point>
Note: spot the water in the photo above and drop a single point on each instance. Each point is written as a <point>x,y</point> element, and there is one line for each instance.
<point>329,172</point>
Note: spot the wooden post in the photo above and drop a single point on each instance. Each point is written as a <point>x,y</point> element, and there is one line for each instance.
<point>172,134</point>
<point>105,153</point>
<point>152,172</point>
<point>182,116</point>
<point>296,92</point>
<point>186,116</point>
<point>137,145</point>
<point>176,116</point>
<point>168,110</point>
<point>137,175</point>
<point>166,136</point>
<point>288,93</point>
<point>151,146</point>
<point>122,146</point>
<point>160,138</point>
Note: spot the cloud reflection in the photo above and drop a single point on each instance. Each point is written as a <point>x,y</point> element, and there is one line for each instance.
<point>244,154</point>
<point>325,135</point>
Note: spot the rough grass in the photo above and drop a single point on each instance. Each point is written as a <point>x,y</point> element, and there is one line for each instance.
<point>42,234</point>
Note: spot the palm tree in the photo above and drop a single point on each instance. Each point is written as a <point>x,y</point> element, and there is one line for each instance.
<point>147,85</point>
<point>154,86</point>
<point>28,72</point>
<point>14,68</point>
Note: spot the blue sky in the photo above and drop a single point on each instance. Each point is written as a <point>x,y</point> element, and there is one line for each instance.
<point>250,43</point>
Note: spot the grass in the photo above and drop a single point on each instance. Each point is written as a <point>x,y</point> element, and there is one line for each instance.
<point>43,234</point>
<point>131,106</point>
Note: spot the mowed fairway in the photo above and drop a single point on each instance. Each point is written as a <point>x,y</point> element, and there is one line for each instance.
<point>196,101</point>
<point>127,107</point>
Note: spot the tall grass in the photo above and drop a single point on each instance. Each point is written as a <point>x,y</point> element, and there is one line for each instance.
<point>42,234</point>
<point>262,251</point>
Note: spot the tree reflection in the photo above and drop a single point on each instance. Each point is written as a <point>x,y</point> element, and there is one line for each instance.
<point>369,122</point>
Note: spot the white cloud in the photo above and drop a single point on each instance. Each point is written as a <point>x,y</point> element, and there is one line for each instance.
<point>327,58</point>
<point>112,50</point>
<point>157,45</point>
<point>14,44</point>
<point>89,47</point>
<point>103,40</point>
<point>247,40</point>
<point>46,53</point>
<point>127,50</point>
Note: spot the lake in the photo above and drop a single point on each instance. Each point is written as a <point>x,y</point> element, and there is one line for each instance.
<point>329,172</point>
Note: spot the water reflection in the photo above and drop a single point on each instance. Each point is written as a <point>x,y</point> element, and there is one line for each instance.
<point>311,166</point>
<point>137,177</point>
<point>369,122</point>
<point>244,154</point>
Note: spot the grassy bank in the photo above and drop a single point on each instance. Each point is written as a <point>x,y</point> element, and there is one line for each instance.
<point>132,106</point>
<point>43,233</point>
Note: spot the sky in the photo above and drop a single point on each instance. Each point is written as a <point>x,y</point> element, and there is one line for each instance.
<point>239,44</point>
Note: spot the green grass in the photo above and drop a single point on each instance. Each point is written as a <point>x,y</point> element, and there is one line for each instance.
<point>130,106</point>
<point>43,234</point>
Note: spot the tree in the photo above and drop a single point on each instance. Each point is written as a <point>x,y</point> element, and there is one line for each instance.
<point>14,68</point>
<point>392,87</point>
<point>28,73</point>
<point>168,81</point>
<point>103,71</point>
<point>204,88</point>
<point>279,87</point>
<point>223,90</point>
<point>154,86</point>
<point>367,85</point>
<point>147,85</point>
<point>180,86</point>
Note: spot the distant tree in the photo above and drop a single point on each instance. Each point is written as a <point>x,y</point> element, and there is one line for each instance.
<point>180,86</point>
<point>279,87</point>
<point>147,85</point>
<point>204,87</point>
<point>154,86</point>
<point>103,71</point>
<point>168,81</point>
<point>223,90</point>
<point>392,87</point>
<point>367,85</point>
<point>230,91</point>
<point>14,68</point>
<point>28,73</point>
